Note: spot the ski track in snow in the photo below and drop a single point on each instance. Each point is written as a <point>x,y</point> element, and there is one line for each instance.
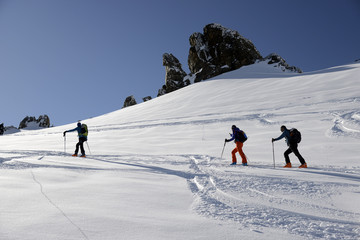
<point>346,124</point>
<point>258,200</point>
<point>253,197</point>
<point>56,206</point>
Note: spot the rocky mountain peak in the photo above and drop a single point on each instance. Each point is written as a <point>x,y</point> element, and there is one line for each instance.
<point>218,50</point>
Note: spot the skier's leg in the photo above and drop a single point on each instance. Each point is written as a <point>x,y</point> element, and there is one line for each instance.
<point>81,141</point>
<point>297,154</point>
<point>239,146</point>
<point>286,155</point>
<point>233,155</point>
<point>77,148</point>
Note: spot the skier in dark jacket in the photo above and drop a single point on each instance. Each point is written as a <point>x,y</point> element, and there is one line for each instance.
<point>82,138</point>
<point>293,147</point>
<point>239,137</point>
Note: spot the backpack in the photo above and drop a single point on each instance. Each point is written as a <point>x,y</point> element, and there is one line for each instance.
<point>240,136</point>
<point>84,130</point>
<point>295,135</point>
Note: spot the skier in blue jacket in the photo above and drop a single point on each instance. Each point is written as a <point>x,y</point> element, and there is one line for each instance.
<point>82,138</point>
<point>240,137</point>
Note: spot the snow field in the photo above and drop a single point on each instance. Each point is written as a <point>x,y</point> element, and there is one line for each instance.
<point>155,170</point>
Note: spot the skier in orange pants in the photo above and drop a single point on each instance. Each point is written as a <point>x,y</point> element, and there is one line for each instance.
<point>238,148</point>
<point>240,137</point>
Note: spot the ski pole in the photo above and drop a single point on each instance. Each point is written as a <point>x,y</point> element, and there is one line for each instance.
<point>273,153</point>
<point>88,147</point>
<point>64,143</point>
<point>247,159</point>
<point>223,150</point>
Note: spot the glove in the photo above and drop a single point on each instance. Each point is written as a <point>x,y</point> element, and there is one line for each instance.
<point>64,133</point>
<point>227,140</point>
<point>272,140</point>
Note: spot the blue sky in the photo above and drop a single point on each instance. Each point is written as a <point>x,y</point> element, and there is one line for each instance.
<point>76,59</point>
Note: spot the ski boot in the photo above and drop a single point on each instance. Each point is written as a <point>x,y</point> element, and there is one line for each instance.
<point>303,165</point>
<point>288,165</point>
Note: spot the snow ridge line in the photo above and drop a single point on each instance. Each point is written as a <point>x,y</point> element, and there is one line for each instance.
<point>56,206</point>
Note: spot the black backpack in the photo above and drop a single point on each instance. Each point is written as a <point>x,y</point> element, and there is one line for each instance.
<point>240,136</point>
<point>295,135</point>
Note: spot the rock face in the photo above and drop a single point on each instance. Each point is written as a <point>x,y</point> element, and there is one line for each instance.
<point>129,101</point>
<point>281,63</point>
<point>215,51</point>
<point>2,129</point>
<point>43,122</point>
<point>174,76</point>
<point>219,50</point>
<point>148,98</point>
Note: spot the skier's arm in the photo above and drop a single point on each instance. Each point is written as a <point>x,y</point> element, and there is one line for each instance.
<point>72,130</point>
<point>231,139</point>
<point>280,137</point>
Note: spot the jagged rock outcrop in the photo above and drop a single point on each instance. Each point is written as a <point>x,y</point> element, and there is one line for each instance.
<point>279,62</point>
<point>2,129</point>
<point>129,101</point>
<point>174,75</point>
<point>148,98</point>
<point>219,50</point>
<point>215,51</point>
<point>43,122</point>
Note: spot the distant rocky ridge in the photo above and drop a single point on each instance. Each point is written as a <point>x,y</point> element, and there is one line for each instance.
<point>27,123</point>
<point>279,62</point>
<point>43,122</point>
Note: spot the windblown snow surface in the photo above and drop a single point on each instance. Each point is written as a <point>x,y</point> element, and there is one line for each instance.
<point>154,170</point>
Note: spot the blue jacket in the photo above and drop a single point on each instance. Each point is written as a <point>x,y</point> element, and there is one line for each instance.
<point>286,135</point>
<point>78,129</point>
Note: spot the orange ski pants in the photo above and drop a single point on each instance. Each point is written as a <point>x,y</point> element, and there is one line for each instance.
<point>238,148</point>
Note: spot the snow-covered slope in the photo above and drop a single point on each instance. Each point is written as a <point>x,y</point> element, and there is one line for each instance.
<point>155,171</point>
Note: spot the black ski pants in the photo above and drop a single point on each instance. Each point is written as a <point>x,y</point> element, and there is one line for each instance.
<point>81,145</point>
<point>293,148</point>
